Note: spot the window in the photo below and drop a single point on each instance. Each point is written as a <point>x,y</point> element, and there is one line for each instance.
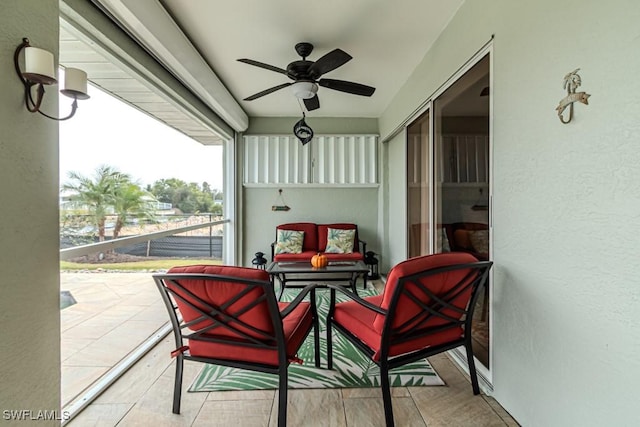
<point>345,159</point>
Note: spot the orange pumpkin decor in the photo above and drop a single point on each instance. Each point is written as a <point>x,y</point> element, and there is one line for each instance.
<point>319,261</point>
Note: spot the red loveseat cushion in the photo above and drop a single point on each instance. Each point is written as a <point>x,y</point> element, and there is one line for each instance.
<point>303,256</point>
<point>295,325</point>
<point>355,256</point>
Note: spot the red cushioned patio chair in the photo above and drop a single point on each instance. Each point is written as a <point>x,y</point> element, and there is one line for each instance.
<point>426,308</point>
<point>229,316</point>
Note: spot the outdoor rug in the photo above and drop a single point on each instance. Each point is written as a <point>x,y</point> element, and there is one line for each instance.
<point>350,368</point>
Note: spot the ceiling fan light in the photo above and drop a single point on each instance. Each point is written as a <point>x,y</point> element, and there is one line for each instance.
<point>304,90</point>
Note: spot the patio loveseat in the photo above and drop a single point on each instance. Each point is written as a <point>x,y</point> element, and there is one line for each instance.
<point>300,241</point>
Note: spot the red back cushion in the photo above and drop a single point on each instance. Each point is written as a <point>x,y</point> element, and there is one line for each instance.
<point>218,292</point>
<point>323,230</point>
<point>310,241</point>
<point>438,284</point>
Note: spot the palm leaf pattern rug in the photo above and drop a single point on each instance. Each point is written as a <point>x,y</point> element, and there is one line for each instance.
<point>351,369</point>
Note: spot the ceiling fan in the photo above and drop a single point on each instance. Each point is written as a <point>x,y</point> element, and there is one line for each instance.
<point>306,76</point>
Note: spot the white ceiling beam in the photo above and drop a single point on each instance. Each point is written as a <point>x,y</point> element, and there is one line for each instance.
<point>149,23</point>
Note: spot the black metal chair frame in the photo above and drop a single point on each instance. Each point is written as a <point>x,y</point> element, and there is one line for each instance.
<point>393,336</point>
<point>217,318</point>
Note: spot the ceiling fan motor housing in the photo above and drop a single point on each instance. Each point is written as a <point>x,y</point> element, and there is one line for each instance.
<point>299,70</point>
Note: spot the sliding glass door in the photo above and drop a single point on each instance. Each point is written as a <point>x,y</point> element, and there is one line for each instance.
<point>448,180</point>
<point>418,180</point>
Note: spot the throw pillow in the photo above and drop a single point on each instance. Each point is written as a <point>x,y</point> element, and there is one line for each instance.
<point>462,239</point>
<point>289,242</point>
<point>480,240</point>
<point>340,241</point>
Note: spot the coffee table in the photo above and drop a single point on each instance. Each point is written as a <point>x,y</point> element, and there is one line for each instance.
<point>336,271</point>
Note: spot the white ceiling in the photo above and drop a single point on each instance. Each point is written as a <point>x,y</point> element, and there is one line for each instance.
<point>122,83</point>
<point>387,40</point>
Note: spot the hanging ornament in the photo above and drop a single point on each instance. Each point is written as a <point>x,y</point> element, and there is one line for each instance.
<point>282,206</point>
<point>302,130</point>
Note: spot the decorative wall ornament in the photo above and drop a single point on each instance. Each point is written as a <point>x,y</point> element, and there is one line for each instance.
<point>571,82</point>
<point>282,206</point>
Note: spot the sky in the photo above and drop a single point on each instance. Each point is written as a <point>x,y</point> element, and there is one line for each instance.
<point>106,131</point>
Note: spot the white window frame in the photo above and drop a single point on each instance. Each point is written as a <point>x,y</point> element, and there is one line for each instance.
<point>327,160</point>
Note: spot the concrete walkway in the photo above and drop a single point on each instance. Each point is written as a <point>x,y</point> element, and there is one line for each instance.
<point>114,313</point>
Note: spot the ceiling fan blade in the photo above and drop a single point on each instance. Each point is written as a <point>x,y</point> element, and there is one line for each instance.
<point>312,103</point>
<point>349,87</point>
<point>263,65</point>
<point>266,91</point>
<point>329,62</point>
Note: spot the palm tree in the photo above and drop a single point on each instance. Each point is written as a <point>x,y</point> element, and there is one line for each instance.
<point>129,200</point>
<point>572,81</point>
<point>95,194</point>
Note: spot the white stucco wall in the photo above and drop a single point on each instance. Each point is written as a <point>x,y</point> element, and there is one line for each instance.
<point>29,307</point>
<point>566,202</point>
<point>312,204</point>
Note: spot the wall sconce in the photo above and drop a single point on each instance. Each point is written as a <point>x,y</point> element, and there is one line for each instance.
<point>39,71</point>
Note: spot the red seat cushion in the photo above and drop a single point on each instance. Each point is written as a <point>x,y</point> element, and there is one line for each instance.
<point>368,325</point>
<point>296,325</point>
<point>224,270</point>
<point>359,321</point>
<point>323,229</point>
<point>218,292</point>
<point>438,284</point>
<point>310,240</point>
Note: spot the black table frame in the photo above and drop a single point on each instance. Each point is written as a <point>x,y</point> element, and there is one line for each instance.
<point>336,271</point>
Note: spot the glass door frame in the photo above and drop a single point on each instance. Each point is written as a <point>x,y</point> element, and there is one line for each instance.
<point>427,107</point>
<point>459,355</point>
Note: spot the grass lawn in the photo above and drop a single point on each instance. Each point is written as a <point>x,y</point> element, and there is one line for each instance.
<point>152,264</point>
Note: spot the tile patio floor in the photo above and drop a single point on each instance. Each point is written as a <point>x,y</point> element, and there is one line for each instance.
<point>114,313</point>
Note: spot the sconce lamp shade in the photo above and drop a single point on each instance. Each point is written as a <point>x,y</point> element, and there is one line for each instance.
<point>75,83</point>
<point>39,71</point>
<point>304,90</point>
<point>38,66</point>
